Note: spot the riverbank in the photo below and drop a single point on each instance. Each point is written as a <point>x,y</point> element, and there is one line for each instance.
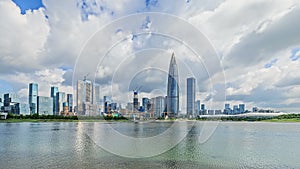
<point>57,120</point>
<point>279,118</point>
<point>252,118</point>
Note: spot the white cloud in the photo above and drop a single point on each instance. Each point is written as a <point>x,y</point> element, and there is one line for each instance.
<point>22,38</point>
<point>246,34</point>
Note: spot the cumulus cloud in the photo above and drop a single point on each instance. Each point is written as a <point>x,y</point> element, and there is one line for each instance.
<point>256,42</point>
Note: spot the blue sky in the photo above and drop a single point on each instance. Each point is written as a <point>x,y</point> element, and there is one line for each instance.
<point>258,42</point>
<point>28,5</point>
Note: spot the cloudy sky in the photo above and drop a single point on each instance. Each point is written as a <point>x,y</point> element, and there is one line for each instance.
<point>125,44</point>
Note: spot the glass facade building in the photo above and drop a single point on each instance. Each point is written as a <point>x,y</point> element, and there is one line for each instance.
<point>45,105</point>
<point>53,92</point>
<point>159,106</point>
<point>197,107</point>
<point>33,94</point>
<point>85,103</point>
<point>191,96</point>
<point>172,106</point>
<point>60,99</point>
<point>70,102</point>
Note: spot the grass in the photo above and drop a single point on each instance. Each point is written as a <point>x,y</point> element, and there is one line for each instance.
<point>283,120</point>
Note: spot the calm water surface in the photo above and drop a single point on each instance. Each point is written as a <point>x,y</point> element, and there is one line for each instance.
<point>68,145</point>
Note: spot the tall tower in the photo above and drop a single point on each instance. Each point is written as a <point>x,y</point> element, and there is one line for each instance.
<point>70,102</point>
<point>33,94</point>
<point>53,92</point>
<point>135,100</point>
<point>85,97</point>
<point>60,98</point>
<point>191,91</point>
<point>173,89</point>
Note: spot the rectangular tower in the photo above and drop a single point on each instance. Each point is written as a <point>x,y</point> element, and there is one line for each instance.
<point>45,105</point>
<point>33,94</point>
<point>53,92</point>
<point>191,95</point>
<point>60,99</point>
<point>70,102</point>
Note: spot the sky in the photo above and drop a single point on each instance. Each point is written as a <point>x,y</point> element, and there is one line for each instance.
<point>246,51</point>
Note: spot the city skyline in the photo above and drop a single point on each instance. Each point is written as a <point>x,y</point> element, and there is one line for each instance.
<point>260,54</point>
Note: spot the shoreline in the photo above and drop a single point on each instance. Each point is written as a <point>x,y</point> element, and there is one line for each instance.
<point>293,120</point>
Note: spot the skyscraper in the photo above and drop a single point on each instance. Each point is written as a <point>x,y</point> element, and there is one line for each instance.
<point>96,94</point>
<point>85,98</point>
<point>60,99</point>
<point>159,106</point>
<point>135,101</point>
<point>173,89</point>
<point>241,108</point>
<point>191,90</point>
<point>70,102</point>
<point>45,105</point>
<point>146,103</point>
<point>33,93</point>
<point>227,109</point>
<point>197,107</point>
<point>53,92</point>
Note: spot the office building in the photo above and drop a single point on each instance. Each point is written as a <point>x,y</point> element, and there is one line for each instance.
<point>172,107</point>
<point>45,105</point>
<point>53,92</point>
<point>33,93</point>
<point>242,108</point>
<point>96,94</point>
<point>227,109</point>
<point>135,101</point>
<point>60,99</point>
<point>107,100</point>
<point>11,103</point>
<point>235,109</point>
<point>191,96</point>
<point>70,102</point>
<point>146,104</point>
<point>197,107</point>
<point>159,106</point>
<point>85,104</point>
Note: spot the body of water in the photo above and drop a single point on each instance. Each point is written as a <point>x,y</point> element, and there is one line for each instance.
<point>80,145</point>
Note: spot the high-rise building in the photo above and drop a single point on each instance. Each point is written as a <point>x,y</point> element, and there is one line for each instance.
<point>97,98</point>
<point>24,109</point>
<point>197,107</point>
<point>85,97</point>
<point>135,101</point>
<point>106,101</point>
<point>113,106</point>
<point>70,102</point>
<point>159,106</point>
<point>96,94</point>
<point>60,99</point>
<point>172,107</point>
<point>33,93</point>
<point>227,109</point>
<point>203,110</point>
<point>241,108</point>
<point>235,109</point>
<point>191,95</point>
<point>45,105</point>
<point>11,103</point>
<point>53,92</point>
<point>146,104</point>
